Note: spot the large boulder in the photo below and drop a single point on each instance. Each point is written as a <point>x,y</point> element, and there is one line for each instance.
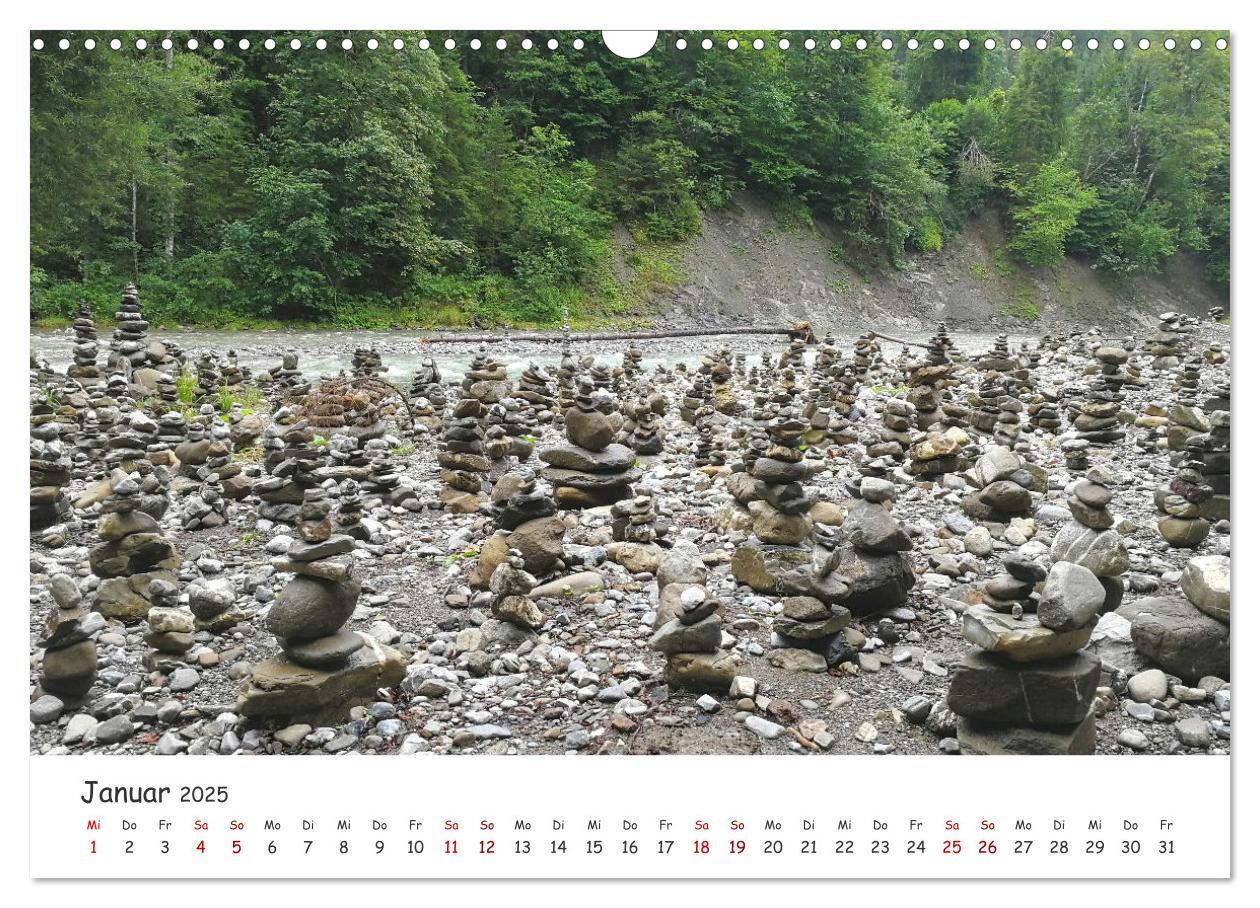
<point>1205,581</point>
<point>1176,636</point>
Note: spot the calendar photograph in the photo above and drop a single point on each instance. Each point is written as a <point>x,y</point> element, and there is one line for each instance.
<point>797,394</point>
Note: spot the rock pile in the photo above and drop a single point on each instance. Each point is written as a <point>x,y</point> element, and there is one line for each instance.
<point>1168,344</point>
<point>68,669</point>
<point>292,458</point>
<point>131,332</point>
<point>1182,501</point>
<point>132,554</point>
<point>325,669</point>
<point>169,629</point>
<point>1004,487</point>
<point>689,634</point>
<point>510,586</point>
<point>50,468</point>
<point>462,458</point>
<point>86,345</point>
<point>1029,689</point>
<point>590,470</point>
<point>206,507</point>
<point>1089,539</point>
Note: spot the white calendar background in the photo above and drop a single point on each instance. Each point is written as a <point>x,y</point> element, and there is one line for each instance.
<point>655,817</point>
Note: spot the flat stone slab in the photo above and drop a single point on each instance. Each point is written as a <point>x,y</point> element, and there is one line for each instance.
<point>1022,639</point>
<point>989,687</point>
<point>277,687</point>
<point>996,740</point>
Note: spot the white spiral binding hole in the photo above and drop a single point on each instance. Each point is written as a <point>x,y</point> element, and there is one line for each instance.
<point>678,44</point>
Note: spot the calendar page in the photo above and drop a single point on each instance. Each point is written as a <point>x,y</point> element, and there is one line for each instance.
<point>710,453</point>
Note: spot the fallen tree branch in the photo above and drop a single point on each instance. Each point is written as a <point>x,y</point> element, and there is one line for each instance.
<point>803,332</point>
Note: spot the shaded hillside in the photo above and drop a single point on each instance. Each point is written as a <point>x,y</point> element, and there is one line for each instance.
<point>747,266</point>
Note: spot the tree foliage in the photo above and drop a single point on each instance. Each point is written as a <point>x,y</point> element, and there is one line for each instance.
<point>339,185</point>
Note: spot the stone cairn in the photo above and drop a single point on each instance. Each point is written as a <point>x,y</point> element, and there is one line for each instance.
<point>68,668</point>
<point>632,362</point>
<point>517,498</point>
<point>940,346</point>
<point>90,447</point>
<point>999,359</point>
<point>206,507</point>
<point>348,518</point>
<point>1098,418</point>
<point>780,513</point>
<point>698,396</point>
<point>1043,412</point>
<point>934,454</point>
<point>896,423</point>
<point>427,383</point>
<point>324,669</point>
<point>86,345</point>
<point>131,332</point>
<point>168,395</point>
<point>534,388</point>
<point>590,470</point>
<point>1004,487</point>
<point>209,381</point>
<point>365,362</point>
<point>1211,450</point>
<point>169,629</point>
<point>1168,344</point>
<point>50,472</point>
<point>286,380</point>
<point>866,352</point>
<point>292,458</point>
<point>232,374</point>
<point>132,554</point>
<point>212,600</point>
<point>1186,634</point>
<point>688,632</point>
<point>129,439</point>
<point>462,458</point>
<point>644,432</point>
<point>1011,591</point>
<point>709,456</point>
<point>1182,502</point>
<point>510,586</point>
<point>1089,539</point>
<point>1029,688</point>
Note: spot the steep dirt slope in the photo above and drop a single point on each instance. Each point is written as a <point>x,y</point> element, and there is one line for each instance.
<point>747,267</point>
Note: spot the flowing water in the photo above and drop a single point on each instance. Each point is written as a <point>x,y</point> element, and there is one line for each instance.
<point>325,353</point>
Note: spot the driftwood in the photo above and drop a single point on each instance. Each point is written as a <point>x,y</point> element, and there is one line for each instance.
<point>800,330</point>
<point>898,340</point>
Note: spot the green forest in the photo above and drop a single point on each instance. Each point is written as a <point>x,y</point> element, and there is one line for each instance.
<point>433,187</point>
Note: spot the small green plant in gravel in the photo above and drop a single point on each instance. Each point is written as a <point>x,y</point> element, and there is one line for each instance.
<point>185,387</point>
<point>250,454</point>
<point>980,270</point>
